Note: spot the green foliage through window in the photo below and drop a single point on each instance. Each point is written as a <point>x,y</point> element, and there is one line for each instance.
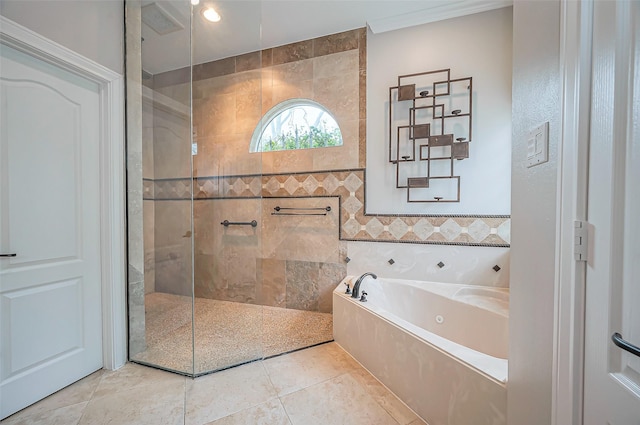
<point>297,124</point>
<point>314,138</point>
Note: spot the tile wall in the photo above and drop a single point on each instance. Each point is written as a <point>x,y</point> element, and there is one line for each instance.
<point>291,262</point>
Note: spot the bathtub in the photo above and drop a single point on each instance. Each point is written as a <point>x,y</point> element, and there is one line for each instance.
<point>441,348</point>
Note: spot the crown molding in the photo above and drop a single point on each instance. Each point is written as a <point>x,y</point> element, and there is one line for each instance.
<point>437,11</point>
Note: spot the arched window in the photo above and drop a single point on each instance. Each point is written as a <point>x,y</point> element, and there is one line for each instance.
<point>296,124</point>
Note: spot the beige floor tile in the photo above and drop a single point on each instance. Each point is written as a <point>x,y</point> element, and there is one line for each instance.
<point>385,398</point>
<point>269,413</point>
<point>341,400</point>
<point>161,403</point>
<point>223,393</point>
<point>68,415</point>
<point>319,385</point>
<point>308,367</point>
<point>78,392</point>
<point>133,375</point>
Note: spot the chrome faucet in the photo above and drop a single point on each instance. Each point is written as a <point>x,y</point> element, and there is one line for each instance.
<point>356,286</point>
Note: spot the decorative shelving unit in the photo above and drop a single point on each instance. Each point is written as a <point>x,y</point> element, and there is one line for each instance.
<point>430,126</point>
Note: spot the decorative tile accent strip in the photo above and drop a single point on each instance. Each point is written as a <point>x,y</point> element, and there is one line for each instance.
<point>355,225</point>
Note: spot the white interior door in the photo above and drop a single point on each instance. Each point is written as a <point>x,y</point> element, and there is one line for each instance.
<point>50,291</point>
<point>612,374</point>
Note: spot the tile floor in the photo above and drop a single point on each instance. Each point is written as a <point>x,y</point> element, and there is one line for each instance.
<point>320,385</point>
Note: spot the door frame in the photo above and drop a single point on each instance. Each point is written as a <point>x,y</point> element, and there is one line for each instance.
<point>577,29</point>
<point>112,190</point>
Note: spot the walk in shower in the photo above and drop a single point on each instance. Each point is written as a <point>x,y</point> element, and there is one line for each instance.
<point>216,276</point>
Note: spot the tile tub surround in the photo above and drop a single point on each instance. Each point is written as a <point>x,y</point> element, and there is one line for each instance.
<point>468,265</point>
<point>221,338</point>
<point>316,386</point>
<point>424,369</point>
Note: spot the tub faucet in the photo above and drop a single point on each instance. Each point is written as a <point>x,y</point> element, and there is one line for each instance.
<point>355,292</point>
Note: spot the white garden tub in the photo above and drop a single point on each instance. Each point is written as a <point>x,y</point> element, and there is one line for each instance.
<point>441,348</point>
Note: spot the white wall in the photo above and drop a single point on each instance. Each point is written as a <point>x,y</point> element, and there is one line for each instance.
<point>536,99</point>
<point>478,46</point>
<point>93,28</point>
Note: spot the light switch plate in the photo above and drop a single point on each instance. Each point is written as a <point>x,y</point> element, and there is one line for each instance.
<point>538,145</point>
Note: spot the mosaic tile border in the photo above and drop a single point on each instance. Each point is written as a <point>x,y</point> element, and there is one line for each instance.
<point>349,187</point>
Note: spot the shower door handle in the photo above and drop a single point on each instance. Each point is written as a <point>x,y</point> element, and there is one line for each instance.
<point>8,255</point>
<point>625,345</point>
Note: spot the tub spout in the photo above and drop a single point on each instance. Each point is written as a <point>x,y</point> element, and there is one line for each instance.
<point>355,292</point>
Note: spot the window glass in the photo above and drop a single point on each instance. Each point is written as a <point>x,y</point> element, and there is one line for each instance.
<point>296,124</point>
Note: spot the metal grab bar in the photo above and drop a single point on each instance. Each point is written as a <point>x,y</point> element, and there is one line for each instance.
<point>293,213</point>
<point>625,345</point>
<point>228,223</point>
<point>278,209</point>
<point>327,208</point>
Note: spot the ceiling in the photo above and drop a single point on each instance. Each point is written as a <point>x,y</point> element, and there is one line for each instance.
<point>252,25</point>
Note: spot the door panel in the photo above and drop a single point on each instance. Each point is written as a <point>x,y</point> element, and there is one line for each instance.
<point>54,235</point>
<point>35,314</point>
<point>612,375</point>
<point>50,292</point>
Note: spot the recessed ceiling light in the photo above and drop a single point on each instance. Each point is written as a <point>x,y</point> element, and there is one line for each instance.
<point>195,2</point>
<point>210,14</point>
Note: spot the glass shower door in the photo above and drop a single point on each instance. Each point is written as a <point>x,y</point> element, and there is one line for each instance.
<point>227,188</point>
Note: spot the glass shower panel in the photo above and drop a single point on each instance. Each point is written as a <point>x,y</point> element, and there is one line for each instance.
<point>160,158</point>
<point>228,187</point>
<point>216,279</point>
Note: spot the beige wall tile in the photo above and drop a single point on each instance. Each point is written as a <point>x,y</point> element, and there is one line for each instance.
<point>302,285</point>
<point>273,282</point>
<point>303,238</point>
<point>248,61</point>
<point>173,247</point>
<point>339,94</point>
<point>281,91</point>
<point>149,245</point>
<point>172,145</point>
<point>214,69</point>
<point>336,64</point>
<point>329,276</point>
<point>218,115</point>
<point>339,42</point>
<point>293,72</point>
<point>292,52</point>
